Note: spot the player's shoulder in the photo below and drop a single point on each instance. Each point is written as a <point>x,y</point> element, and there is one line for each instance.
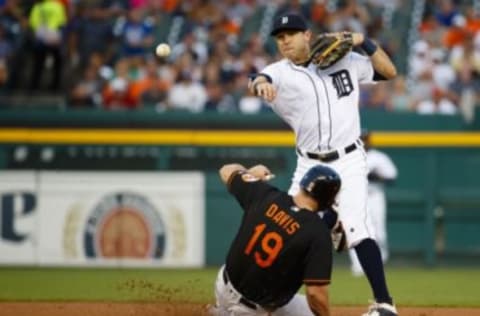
<point>355,56</point>
<point>279,64</point>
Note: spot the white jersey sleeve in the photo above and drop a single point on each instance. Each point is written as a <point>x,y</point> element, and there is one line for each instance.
<point>364,68</point>
<point>381,164</point>
<point>273,74</point>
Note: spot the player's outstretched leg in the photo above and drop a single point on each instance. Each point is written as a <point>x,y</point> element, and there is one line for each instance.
<point>370,258</point>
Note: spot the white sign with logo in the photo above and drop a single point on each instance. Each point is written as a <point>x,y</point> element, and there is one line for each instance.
<point>18,217</point>
<point>120,218</point>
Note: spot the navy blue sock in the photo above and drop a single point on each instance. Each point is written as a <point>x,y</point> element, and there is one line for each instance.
<point>370,259</point>
<point>330,218</point>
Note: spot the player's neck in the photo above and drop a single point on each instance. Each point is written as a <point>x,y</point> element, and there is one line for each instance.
<point>305,202</point>
<point>300,60</point>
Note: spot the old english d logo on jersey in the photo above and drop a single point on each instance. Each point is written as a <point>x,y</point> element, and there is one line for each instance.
<point>342,83</point>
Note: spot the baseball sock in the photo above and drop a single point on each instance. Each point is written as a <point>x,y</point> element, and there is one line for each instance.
<point>370,259</point>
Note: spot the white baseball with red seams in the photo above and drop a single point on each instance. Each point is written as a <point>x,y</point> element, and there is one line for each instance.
<point>321,106</point>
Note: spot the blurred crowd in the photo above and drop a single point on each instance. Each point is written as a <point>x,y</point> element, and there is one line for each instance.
<point>444,67</point>
<point>100,53</point>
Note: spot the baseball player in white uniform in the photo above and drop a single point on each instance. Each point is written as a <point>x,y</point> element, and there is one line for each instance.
<point>321,106</point>
<point>381,171</point>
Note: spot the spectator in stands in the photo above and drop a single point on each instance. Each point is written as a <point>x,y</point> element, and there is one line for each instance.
<point>92,29</point>
<point>467,51</point>
<point>205,12</point>
<point>47,19</point>
<point>118,95</point>
<point>457,33</point>
<point>3,75</point>
<point>237,11</point>
<point>465,91</point>
<point>136,34</point>
<point>446,12</point>
<point>15,23</point>
<point>379,97</point>
<point>298,6</point>
<point>87,92</point>
<point>400,99</point>
<point>187,94</point>
<point>437,104</point>
<point>152,89</point>
<point>420,71</point>
<point>218,99</point>
<point>6,48</point>
<point>442,72</point>
<point>189,44</point>
<point>350,16</point>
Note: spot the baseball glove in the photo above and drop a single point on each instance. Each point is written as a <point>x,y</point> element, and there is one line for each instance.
<point>329,48</point>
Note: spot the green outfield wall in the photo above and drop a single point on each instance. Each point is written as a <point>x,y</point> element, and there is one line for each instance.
<point>434,206</point>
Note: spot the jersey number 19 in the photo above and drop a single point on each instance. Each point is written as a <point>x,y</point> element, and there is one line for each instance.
<point>271,243</point>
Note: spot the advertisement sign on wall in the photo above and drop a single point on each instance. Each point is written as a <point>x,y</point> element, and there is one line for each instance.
<point>118,218</point>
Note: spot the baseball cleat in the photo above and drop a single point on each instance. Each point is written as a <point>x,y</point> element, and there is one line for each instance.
<point>381,309</point>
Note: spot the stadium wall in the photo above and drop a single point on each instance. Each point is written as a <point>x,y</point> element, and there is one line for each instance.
<point>434,206</point>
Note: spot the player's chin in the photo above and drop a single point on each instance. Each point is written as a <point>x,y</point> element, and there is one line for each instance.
<point>289,53</point>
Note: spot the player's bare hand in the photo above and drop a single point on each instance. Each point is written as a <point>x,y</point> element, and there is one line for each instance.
<point>265,90</point>
<point>357,38</point>
<point>262,172</point>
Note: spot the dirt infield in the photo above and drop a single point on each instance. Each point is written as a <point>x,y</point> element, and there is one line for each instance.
<point>168,309</point>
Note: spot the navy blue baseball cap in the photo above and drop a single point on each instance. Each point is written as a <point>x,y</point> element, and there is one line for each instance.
<point>288,21</point>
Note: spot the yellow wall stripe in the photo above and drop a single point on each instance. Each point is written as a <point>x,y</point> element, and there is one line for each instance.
<point>219,137</point>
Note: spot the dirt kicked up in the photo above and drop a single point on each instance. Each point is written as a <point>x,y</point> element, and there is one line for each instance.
<point>171,309</point>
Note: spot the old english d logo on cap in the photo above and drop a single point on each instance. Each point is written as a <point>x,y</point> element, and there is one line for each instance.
<point>289,21</point>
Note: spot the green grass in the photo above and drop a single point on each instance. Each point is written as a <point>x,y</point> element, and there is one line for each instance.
<point>409,286</point>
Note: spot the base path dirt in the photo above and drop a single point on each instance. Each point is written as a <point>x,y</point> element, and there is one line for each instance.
<point>171,309</point>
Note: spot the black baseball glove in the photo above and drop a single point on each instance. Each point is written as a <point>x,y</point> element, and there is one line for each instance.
<point>329,48</point>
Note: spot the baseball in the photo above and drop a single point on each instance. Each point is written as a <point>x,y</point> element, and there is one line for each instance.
<point>162,50</point>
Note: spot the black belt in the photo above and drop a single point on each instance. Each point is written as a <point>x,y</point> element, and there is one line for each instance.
<point>242,300</point>
<point>327,157</point>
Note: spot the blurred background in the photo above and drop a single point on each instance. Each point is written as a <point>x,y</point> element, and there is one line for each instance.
<point>109,154</point>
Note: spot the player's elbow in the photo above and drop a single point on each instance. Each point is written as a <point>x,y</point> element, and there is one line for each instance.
<point>226,171</point>
<point>391,72</point>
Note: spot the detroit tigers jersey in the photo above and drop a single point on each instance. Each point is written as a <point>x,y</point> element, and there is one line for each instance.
<point>321,106</point>
<point>278,246</point>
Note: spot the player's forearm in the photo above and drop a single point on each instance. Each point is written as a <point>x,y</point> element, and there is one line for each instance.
<point>382,64</point>
<point>319,309</point>
<point>317,298</point>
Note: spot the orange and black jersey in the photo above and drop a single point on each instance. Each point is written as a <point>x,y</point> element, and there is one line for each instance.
<point>278,246</point>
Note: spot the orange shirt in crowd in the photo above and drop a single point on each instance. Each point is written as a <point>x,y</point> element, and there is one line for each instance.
<point>146,84</point>
<point>454,36</point>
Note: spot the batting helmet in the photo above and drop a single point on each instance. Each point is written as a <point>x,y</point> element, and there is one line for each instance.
<point>321,183</point>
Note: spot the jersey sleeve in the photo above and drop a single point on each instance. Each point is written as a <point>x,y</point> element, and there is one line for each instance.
<point>364,68</point>
<point>272,73</point>
<point>247,189</point>
<point>318,263</point>
<point>380,163</point>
